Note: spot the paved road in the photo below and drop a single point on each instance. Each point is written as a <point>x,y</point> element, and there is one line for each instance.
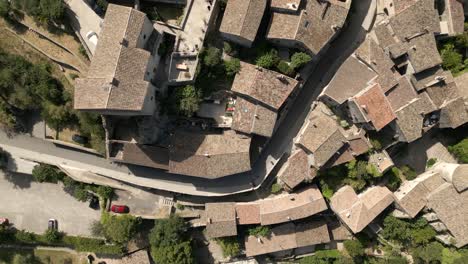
<point>281,141</point>
<point>29,205</point>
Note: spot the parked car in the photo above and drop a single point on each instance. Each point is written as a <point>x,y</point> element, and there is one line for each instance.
<point>52,224</point>
<point>80,139</point>
<point>120,209</point>
<point>4,221</point>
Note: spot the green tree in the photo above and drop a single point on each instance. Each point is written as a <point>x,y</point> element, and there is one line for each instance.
<point>460,150</point>
<point>232,66</point>
<point>47,173</point>
<point>52,236</point>
<point>276,188</point>
<point>97,229</point>
<point>393,179</point>
<point>354,248</point>
<point>431,253</point>
<point>119,228</point>
<point>212,57</point>
<point>423,235</point>
<point>23,259</point>
<point>229,245</point>
<point>56,116</point>
<point>396,229</point>
<point>451,59</point>
<point>268,60</point>
<point>170,243</point>
<point>51,10</point>
<point>408,172</point>
<point>105,192</point>
<point>299,59</point>
<point>187,99</point>
<point>284,68</point>
<point>4,8</point>
<point>260,231</point>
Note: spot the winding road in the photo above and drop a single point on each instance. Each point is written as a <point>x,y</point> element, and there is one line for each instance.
<point>341,48</point>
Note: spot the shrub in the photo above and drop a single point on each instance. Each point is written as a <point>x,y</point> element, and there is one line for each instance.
<point>119,228</point>
<point>376,144</point>
<point>227,47</point>
<point>284,68</point>
<point>268,60</point>
<point>431,162</point>
<point>180,206</point>
<point>393,179</point>
<point>229,245</point>
<point>52,236</point>
<point>187,100</point>
<point>212,57</point>
<point>97,229</point>
<point>451,59</point>
<point>460,150</point>
<point>232,67</point>
<point>105,192</point>
<point>299,59</point>
<point>276,188</point>
<point>260,231</point>
<point>431,253</point>
<point>24,236</point>
<point>47,173</point>
<point>354,248</point>
<point>4,8</point>
<point>408,172</point>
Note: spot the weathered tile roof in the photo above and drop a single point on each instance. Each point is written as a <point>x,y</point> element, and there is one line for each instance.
<point>209,155</point>
<point>283,26</point>
<point>338,231</point>
<point>401,5</point>
<point>374,106</point>
<point>374,56</point>
<point>297,169</point>
<point>456,15</point>
<point>265,86</point>
<point>462,84</point>
<point>401,94</point>
<point>451,207</point>
<point>115,79</point>
<point>294,206</point>
<point>411,116</point>
<point>243,17</point>
<point>285,5</point>
<point>460,178</point>
<point>423,53</point>
<point>454,113</point>
<point>145,155</point>
<point>443,92</point>
<point>352,77</point>
<point>321,135</point>
<point>415,19</point>
<point>221,220</point>
<point>248,213</point>
<point>428,77</point>
<point>357,211</point>
<point>251,118</point>
<point>288,236</point>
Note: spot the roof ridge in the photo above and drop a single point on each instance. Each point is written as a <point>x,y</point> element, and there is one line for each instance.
<point>243,19</point>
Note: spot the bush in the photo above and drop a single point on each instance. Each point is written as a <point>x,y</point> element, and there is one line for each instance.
<point>24,236</point>
<point>97,229</point>
<point>211,57</point>
<point>119,228</point>
<point>393,179</point>
<point>4,8</point>
<point>431,253</point>
<point>180,206</point>
<point>323,257</point>
<point>98,246</point>
<point>105,192</point>
<point>376,145</point>
<point>408,172</point>
<point>276,188</point>
<point>460,151</point>
<point>227,47</point>
<point>260,231</point>
<point>451,59</point>
<point>170,243</point>
<point>232,67</point>
<point>431,162</point>
<point>47,173</point>
<point>284,68</point>
<point>44,11</point>
<point>52,236</point>
<point>187,100</point>
<point>299,59</point>
<point>354,248</point>
<point>268,60</point>
<point>229,245</point>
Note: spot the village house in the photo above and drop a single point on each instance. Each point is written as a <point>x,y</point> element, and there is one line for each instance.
<point>443,191</point>
<point>357,211</point>
<point>241,21</point>
<point>119,80</point>
<point>296,170</point>
<point>311,28</point>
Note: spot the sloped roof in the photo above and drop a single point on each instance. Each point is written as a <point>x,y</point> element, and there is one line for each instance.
<point>243,17</point>
<point>456,15</point>
<point>115,79</point>
<point>268,87</point>
<point>419,17</point>
<point>297,169</point>
<point>248,213</point>
<point>352,77</point>
<point>283,26</point>
<point>302,204</point>
<point>453,114</point>
<point>401,94</point>
<point>423,53</point>
<point>410,120</point>
<point>375,106</point>
<point>209,155</point>
<point>312,233</point>
<point>443,92</point>
<point>251,118</point>
<point>221,220</point>
<point>357,211</point>
<point>146,155</point>
<point>451,207</point>
<point>460,178</point>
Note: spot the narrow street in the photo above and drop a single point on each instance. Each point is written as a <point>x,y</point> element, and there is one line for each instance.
<point>350,37</point>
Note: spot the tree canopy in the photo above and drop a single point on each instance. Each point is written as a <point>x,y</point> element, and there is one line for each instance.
<point>47,173</point>
<point>299,59</point>
<point>119,228</point>
<point>460,150</point>
<point>187,100</point>
<point>44,11</point>
<point>169,242</point>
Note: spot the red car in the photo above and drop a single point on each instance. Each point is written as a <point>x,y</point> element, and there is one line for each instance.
<point>4,221</point>
<point>120,209</point>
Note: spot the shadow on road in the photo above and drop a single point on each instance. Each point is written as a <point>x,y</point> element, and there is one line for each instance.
<point>19,180</point>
